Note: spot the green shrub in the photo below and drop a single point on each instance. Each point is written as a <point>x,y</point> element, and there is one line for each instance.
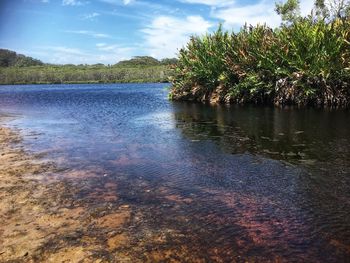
<point>310,55</point>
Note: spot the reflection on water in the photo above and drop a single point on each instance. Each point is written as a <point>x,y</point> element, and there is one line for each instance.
<point>202,183</point>
<point>294,135</point>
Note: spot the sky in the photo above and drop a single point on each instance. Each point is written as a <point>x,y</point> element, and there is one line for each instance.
<point>107,31</point>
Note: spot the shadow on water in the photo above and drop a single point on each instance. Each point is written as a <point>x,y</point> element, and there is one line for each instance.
<point>194,182</point>
<point>299,136</point>
<point>310,179</point>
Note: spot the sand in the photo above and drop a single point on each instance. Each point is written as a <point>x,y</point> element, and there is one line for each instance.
<point>44,217</point>
<point>43,221</point>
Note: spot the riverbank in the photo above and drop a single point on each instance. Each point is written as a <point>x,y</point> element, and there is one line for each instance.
<point>85,82</point>
<point>286,93</point>
<point>84,74</point>
<point>54,214</point>
<point>43,220</point>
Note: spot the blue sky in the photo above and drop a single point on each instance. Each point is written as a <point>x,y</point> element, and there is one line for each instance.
<point>107,31</point>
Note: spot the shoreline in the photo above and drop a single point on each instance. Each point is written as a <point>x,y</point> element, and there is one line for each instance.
<point>82,82</point>
<point>287,95</point>
<point>50,214</point>
<point>43,219</point>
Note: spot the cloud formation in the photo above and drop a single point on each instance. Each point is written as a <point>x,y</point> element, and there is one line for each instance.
<point>117,2</point>
<point>210,2</point>
<point>72,2</point>
<point>166,34</point>
<point>68,55</point>
<point>234,14</point>
<point>91,16</point>
<point>89,33</point>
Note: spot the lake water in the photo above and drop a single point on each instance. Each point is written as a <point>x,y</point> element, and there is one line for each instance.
<point>227,183</point>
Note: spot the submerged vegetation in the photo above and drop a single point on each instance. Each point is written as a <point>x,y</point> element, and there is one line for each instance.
<point>305,61</point>
<point>19,69</point>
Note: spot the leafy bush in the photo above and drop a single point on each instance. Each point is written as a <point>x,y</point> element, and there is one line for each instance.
<point>306,57</point>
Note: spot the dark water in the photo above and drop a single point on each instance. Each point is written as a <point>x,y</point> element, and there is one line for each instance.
<point>229,183</point>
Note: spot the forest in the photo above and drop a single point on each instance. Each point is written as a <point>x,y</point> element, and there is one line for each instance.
<point>304,61</point>
<point>19,69</point>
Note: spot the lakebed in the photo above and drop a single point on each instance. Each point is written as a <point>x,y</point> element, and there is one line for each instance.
<point>103,173</point>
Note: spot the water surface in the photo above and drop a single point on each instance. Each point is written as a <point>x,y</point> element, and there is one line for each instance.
<point>217,183</point>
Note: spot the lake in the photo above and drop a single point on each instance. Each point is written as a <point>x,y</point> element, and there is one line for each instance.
<point>215,182</point>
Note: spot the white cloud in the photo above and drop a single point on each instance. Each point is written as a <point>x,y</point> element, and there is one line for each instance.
<point>235,15</point>
<point>105,47</point>
<point>114,2</point>
<point>111,54</point>
<point>147,8</point>
<point>101,44</point>
<point>209,2</point>
<point>68,55</point>
<point>117,2</point>
<point>71,51</point>
<point>165,35</point>
<point>72,2</point>
<point>115,49</point>
<point>45,1</point>
<point>91,16</point>
<point>259,13</point>
<point>89,33</point>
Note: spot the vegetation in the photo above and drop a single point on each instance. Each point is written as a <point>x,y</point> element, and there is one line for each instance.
<point>14,70</point>
<point>305,61</point>
<point>9,58</point>
<point>146,61</point>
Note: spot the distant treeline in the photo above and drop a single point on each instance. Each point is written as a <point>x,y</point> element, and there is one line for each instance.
<point>20,69</point>
<point>10,58</point>
<point>305,61</point>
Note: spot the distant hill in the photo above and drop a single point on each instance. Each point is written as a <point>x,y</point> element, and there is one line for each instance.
<point>10,58</point>
<point>19,69</point>
<point>146,61</point>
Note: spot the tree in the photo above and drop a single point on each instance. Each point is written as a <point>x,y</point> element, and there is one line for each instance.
<point>139,61</point>
<point>288,11</point>
<point>168,61</point>
<point>321,9</point>
<point>339,8</point>
<point>10,58</point>
<point>332,9</point>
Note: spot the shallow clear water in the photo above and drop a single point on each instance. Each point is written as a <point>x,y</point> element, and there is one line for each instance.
<point>233,183</point>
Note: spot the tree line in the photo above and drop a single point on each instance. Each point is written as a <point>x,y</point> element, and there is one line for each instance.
<point>19,69</point>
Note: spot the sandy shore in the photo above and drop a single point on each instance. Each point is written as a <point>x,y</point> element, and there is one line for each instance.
<point>51,214</point>
<point>55,214</point>
<point>41,218</point>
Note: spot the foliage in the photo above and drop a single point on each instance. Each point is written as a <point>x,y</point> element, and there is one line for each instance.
<point>288,11</point>
<point>202,61</point>
<point>138,69</point>
<point>82,74</point>
<point>304,61</point>
<point>168,61</point>
<point>139,60</point>
<point>146,61</point>
<point>12,59</point>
